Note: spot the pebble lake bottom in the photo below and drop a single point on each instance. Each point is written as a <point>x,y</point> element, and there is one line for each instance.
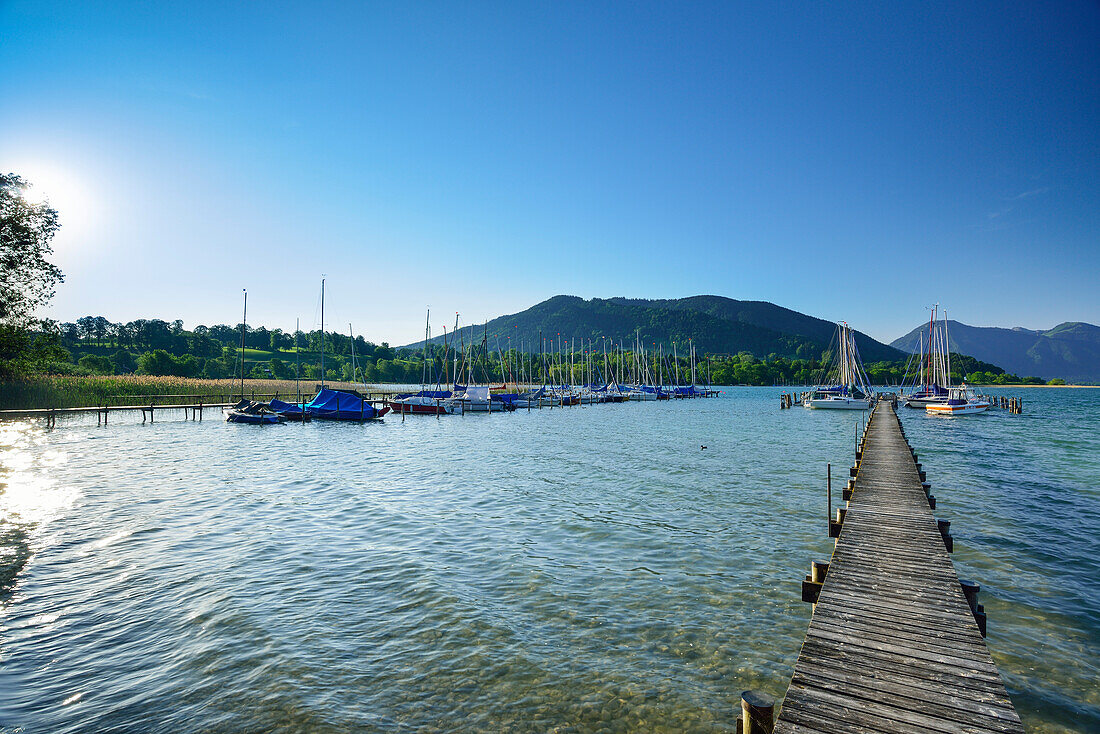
<point>577,569</point>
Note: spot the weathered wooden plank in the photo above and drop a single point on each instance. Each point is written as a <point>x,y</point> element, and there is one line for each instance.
<point>913,694</point>
<point>916,655</point>
<point>857,659</point>
<point>883,711</point>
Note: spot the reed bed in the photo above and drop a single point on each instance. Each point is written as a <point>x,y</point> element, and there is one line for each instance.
<point>66,391</point>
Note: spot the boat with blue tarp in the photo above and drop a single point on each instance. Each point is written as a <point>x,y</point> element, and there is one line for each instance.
<point>289,411</point>
<point>337,405</point>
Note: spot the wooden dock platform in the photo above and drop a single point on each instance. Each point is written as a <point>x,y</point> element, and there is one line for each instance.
<point>894,644</point>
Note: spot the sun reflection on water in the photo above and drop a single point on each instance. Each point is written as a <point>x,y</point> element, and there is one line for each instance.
<point>28,493</point>
<point>29,496</point>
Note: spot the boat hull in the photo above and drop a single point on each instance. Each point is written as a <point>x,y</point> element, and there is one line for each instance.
<point>255,419</point>
<point>945,409</point>
<point>923,402</point>
<point>837,403</point>
<point>480,406</point>
<point>434,408</point>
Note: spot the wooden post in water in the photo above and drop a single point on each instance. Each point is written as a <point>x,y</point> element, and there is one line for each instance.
<point>945,532</point>
<point>829,494</point>
<point>758,713</point>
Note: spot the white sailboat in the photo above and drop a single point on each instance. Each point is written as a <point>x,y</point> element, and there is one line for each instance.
<point>932,372</point>
<point>960,400</point>
<point>846,386</point>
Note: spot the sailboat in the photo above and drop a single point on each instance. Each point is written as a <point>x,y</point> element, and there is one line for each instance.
<point>249,411</point>
<point>338,405</point>
<point>846,386</point>
<point>427,401</point>
<point>932,373</point>
<point>477,398</point>
<point>961,400</point>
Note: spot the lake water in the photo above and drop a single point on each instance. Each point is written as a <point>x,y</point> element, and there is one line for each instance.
<point>578,569</point>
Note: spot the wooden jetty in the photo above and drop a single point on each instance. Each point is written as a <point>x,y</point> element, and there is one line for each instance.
<point>895,643</point>
<point>194,411</point>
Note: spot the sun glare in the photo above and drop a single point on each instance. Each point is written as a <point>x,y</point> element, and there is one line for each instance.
<point>65,191</point>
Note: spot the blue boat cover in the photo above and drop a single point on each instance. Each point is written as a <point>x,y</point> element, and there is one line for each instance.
<point>280,407</point>
<point>337,405</point>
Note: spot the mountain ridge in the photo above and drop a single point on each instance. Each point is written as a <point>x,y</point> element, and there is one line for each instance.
<point>715,324</point>
<point>1070,350</point>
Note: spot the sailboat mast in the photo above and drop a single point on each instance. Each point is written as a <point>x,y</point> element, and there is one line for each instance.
<point>351,335</point>
<point>322,333</point>
<point>931,323</point>
<point>297,359</point>
<point>244,325</point>
<point>922,360</point>
<point>846,360</point>
<point>444,364</point>
<point>691,361</point>
<point>946,351</point>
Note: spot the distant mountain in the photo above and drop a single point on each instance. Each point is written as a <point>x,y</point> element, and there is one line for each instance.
<point>717,325</point>
<point>1070,350</point>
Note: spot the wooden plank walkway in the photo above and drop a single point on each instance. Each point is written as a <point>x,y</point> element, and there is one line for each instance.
<point>39,412</point>
<point>893,645</point>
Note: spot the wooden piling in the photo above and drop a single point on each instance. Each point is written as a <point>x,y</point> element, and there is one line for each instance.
<point>945,533</point>
<point>757,712</point>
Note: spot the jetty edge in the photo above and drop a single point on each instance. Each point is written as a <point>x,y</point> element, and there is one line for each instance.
<point>896,640</point>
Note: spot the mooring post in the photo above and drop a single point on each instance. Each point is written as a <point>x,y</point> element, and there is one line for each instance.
<point>945,533</point>
<point>757,712</point>
<point>829,494</point>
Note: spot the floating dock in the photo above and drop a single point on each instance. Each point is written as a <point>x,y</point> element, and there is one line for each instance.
<point>896,641</point>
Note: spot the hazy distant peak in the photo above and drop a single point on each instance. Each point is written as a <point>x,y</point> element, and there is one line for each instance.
<point>1070,350</point>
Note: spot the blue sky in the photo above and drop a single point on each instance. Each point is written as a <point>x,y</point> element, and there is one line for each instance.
<point>852,161</point>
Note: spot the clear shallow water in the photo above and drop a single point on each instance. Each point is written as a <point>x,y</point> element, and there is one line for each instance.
<point>575,569</point>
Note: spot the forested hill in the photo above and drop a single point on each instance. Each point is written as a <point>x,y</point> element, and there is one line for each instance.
<point>715,324</point>
<point>773,317</point>
<point>1070,350</point>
